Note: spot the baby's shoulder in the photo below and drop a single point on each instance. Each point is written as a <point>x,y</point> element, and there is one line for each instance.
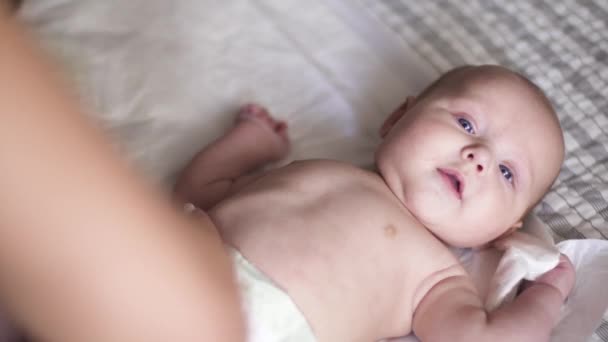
<point>443,265</point>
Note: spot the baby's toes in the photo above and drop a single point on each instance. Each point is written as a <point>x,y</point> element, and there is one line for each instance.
<point>254,111</point>
<point>280,128</point>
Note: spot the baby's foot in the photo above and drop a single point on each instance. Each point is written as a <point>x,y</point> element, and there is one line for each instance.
<point>255,121</point>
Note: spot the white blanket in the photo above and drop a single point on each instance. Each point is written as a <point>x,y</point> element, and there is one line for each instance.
<point>165,78</point>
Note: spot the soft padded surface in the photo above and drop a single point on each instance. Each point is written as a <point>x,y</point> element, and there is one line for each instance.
<point>167,77</point>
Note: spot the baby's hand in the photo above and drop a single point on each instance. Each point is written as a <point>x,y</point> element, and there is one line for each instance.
<point>562,277</point>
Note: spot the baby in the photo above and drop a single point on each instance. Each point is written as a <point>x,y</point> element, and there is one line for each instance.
<point>326,251</point>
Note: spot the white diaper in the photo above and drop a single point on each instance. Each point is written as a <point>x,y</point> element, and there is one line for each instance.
<point>270,313</point>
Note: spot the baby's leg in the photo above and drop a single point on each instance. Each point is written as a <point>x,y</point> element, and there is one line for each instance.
<point>255,140</point>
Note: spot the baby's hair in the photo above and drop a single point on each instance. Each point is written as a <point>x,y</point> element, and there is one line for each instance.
<point>441,80</point>
<point>450,76</point>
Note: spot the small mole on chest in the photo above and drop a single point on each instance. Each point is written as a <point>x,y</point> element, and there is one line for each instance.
<point>390,231</point>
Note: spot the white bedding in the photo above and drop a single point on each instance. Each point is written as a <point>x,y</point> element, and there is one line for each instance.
<point>165,78</point>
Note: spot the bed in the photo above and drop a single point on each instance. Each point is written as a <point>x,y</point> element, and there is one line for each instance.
<point>166,77</point>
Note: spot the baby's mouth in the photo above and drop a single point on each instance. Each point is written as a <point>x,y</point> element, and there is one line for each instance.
<point>453,180</point>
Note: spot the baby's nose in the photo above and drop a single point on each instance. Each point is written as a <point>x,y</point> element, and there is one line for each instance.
<point>478,155</point>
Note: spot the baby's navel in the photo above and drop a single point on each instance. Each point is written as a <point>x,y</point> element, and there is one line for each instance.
<point>390,231</point>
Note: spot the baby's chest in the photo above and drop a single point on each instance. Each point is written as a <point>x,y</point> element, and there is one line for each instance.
<point>365,238</point>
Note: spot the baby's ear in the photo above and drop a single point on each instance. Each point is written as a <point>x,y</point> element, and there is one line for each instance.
<point>396,115</point>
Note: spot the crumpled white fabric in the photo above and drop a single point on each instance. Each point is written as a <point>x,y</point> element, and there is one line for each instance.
<point>527,255</point>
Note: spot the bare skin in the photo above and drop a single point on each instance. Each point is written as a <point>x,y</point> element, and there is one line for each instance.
<point>79,261</point>
<point>342,243</point>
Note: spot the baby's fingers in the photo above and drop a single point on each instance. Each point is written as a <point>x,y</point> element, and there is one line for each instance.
<point>562,277</point>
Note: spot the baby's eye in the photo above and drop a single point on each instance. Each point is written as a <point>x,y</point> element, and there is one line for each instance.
<point>506,172</point>
<point>466,124</point>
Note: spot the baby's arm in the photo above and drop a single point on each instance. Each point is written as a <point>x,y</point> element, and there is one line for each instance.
<point>221,167</point>
<point>453,311</point>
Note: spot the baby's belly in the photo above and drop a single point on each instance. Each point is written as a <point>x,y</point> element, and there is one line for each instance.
<point>342,255</point>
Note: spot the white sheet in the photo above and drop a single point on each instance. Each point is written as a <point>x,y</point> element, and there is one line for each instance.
<point>165,78</point>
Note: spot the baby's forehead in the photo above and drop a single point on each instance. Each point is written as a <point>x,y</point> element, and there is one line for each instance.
<point>489,78</point>
<point>498,87</point>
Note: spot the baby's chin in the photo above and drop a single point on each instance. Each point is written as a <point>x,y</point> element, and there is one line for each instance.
<point>454,237</point>
<point>463,243</point>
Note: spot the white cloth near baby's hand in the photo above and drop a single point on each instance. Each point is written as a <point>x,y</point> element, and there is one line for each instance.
<point>525,257</point>
<point>497,275</point>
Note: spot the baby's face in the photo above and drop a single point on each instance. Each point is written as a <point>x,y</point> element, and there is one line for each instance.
<point>468,163</point>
